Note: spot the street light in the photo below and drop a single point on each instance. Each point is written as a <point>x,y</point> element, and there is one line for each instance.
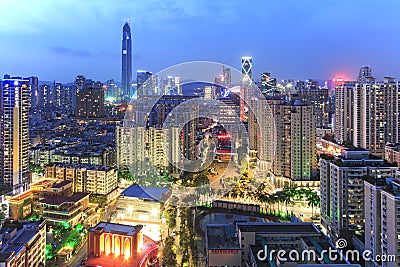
<point>154,212</point>
<point>130,210</point>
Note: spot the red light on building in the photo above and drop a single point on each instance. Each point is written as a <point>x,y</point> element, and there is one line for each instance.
<point>338,81</point>
<point>224,136</point>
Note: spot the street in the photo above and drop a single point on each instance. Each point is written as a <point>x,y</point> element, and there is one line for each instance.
<point>81,255</point>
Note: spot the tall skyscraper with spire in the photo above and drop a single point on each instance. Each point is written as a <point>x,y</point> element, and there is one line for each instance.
<point>126,60</point>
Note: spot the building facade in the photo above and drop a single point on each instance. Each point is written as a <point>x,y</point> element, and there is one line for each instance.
<point>14,140</point>
<point>296,155</point>
<point>342,190</point>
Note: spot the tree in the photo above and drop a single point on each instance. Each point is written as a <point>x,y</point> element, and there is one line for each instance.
<point>169,255</point>
<point>170,216</point>
<point>314,201</point>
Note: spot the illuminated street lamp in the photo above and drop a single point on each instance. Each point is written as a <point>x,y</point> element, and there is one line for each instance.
<point>154,212</point>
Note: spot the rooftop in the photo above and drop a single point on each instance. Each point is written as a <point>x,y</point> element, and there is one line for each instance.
<point>13,248</point>
<point>22,196</point>
<point>221,236</point>
<point>56,201</point>
<point>146,192</point>
<point>116,228</point>
<point>25,236</point>
<point>61,184</point>
<point>279,228</point>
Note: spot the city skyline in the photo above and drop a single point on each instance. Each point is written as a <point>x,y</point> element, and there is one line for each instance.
<point>327,37</point>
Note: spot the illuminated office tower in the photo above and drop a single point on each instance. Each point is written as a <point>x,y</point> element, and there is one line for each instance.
<point>209,92</point>
<point>126,80</point>
<point>66,97</point>
<point>178,86</point>
<point>14,140</point>
<point>245,88</point>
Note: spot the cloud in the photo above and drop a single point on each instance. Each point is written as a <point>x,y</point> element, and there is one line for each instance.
<point>69,52</point>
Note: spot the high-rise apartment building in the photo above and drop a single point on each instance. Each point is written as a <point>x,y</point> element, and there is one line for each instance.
<point>296,155</point>
<point>14,124</point>
<point>344,112</point>
<point>126,79</point>
<point>262,132</point>
<point>390,202</point>
<point>145,85</point>
<point>90,101</point>
<point>364,74</point>
<point>34,85</point>
<point>43,91</point>
<point>382,226</point>
<point>342,189</point>
<point>142,149</point>
<point>319,99</point>
<point>367,113</point>
<point>376,115</point>
<point>373,216</point>
<point>111,91</point>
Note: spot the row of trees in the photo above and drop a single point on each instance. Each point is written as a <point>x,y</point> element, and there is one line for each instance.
<point>187,242</point>
<point>285,197</point>
<point>187,247</point>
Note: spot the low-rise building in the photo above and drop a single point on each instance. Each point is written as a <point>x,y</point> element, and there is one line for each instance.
<point>392,153</point>
<point>111,244</point>
<point>101,180</point>
<point>62,209</point>
<point>24,247</point>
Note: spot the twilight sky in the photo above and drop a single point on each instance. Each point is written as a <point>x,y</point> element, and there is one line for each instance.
<point>299,39</point>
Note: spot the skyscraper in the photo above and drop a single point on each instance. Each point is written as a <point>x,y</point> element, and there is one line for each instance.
<point>344,111</point>
<point>34,84</point>
<point>245,88</point>
<point>126,60</point>
<point>365,72</point>
<point>14,126</point>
